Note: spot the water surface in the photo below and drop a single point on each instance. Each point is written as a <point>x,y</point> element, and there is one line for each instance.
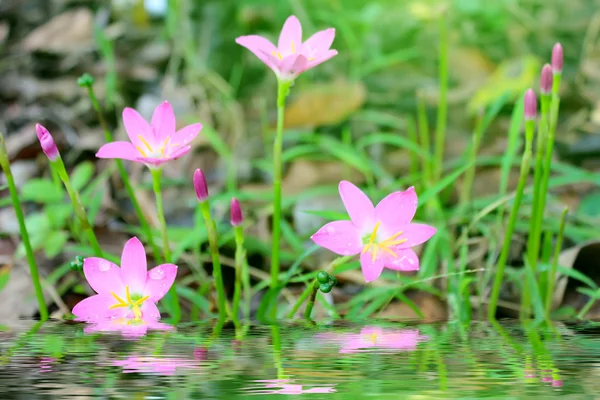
<point>325,361</point>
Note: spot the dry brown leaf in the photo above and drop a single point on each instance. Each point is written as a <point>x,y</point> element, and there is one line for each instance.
<point>584,259</point>
<point>68,32</point>
<point>324,104</point>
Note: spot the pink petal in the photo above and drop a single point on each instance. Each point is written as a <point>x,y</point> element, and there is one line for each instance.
<point>136,125</point>
<point>163,121</point>
<point>321,58</point>
<point>133,266</point>
<point>291,33</point>
<point>320,42</point>
<point>407,260</point>
<point>149,311</point>
<point>156,162</point>
<point>292,66</point>
<point>259,46</point>
<point>185,135</point>
<point>159,281</point>
<point>122,150</point>
<point>415,235</point>
<point>102,275</point>
<point>396,209</point>
<point>370,269</point>
<point>94,308</point>
<point>358,205</point>
<point>341,237</point>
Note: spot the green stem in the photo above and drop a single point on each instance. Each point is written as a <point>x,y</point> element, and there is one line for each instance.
<point>424,138</point>
<point>78,207</point>
<point>213,242</point>
<point>276,340</point>
<point>411,130</point>
<point>242,274</point>
<point>440,134</point>
<point>552,275</point>
<point>14,196</point>
<point>465,197</point>
<point>525,162</point>
<point>282,92</point>
<point>125,178</point>
<point>311,300</point>
<point>172,299</point>
<point>307,292</point>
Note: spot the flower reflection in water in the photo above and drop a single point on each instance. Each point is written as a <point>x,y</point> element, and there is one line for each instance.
<point>376,339</point>
<point>286,386</point>
<point>47,364</point>
<point>154,365</point>
<point>128,327</point>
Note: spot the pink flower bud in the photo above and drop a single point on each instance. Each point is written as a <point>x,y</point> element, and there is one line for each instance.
<point>530,105</point>
<point>546,79</point>
<point>47,142</point>
<point>200,185</point>
<point>557,383</point>
<point>557,58</point>
<point>200,353</point>
<point>236,213</point>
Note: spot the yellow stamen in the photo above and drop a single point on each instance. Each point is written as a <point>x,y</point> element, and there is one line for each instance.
<point>395,242</point>
<point>277,54</point>
<point>164,146</point>
<point>145,143</point>
<point>293,47</point>
<point>141,151</point>
<point>135,306</point>
<point>374,253</point>
<point>374,234</point>
<point>385,245</point>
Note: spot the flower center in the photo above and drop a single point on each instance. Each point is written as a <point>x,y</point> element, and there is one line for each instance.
<point>151,152</point>
<point>134,303</point>
<point>374,246</point>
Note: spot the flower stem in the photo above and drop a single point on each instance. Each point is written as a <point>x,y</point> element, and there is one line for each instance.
<point>213,242</point>
<point>242,275</point>
<point>124,177</point>
<point>282,92</point>
<point>14,196</point>
<point>78,207</point>
<point>552,275</point>
<point>440,133</point>
<point>525,162</point>
<point>309,289</point>
<point>172,298</point>
<point>424,141</point>
<point>311,300</point>
<point>465,196</point>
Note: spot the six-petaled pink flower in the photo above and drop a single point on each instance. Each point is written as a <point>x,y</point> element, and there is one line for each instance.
<point>151,143</point>
<point>291,56</point>
<point>129,292</point>
<point>383,235</point>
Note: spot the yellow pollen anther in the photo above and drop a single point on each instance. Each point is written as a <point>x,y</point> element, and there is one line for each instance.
<point>164,146</point>
<point>141,151</point>
<point>293,47</point>
<point>384,245</point>
<point>277,54</point>
<point>135,306</point>
<point>145,143</point>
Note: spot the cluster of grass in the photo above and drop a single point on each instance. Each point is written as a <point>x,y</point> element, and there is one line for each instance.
<point>368,56</point>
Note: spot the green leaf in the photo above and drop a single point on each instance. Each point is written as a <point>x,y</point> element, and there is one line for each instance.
<point>4,277</point>
<point>82,175</point>
<point>217,142</point>
<point>194,297</point>
<point>58,214</point>
<point>54,243</point>
<point>442,184</point>
<point>41,191</point>
<point>328,215</point>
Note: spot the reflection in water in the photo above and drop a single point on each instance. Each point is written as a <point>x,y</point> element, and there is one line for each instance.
<point>127,326</point>
<point>152,360</point>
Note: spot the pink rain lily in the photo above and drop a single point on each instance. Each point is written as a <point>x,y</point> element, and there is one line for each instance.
<point>151,143</point>
<point>128,327</point>
<point>382,235</point>
<point>155,365</point>
<point>129,292</point>
<point>376,339</point>
<point>291,56</point>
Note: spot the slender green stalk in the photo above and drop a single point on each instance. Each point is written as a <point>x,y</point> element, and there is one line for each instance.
<point>440,133</point>
<point>525,162</point>
<point>242,276</point>
<point>411,130</point>
<point>552,275</point>
<point>213,242</point>
<point>465,196</point>
<point>311,300</point>
<point>123,172</point>
<point>309,289</point>
<point>172,298</point>
<point>588,306</point>
<point>424,137</point>
<point>14,196</point>
<point>78,207</point>
<point>283,88</point>
<point>276,341</point>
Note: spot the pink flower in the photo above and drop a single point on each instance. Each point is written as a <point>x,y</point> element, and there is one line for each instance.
<point>47,142</point>
<point>287,387</point>
<point>127,292</point>
<point>383,235</point>
<point>151,144</point>
<point>370,338</point>
<point>154,365</point>
<point>291,57</point>
<point>128,327</point>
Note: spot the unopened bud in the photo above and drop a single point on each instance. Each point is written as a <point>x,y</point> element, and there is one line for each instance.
<point>236,213</point>
<point>47,142</point>
<point>546,79</point>
<point>530,105</point>
<point>557,59</point>
<point>85,80</point>
<point>200,185</point>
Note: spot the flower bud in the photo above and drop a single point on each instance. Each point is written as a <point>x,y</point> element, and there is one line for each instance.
<point>557,59</point>
<point>85,80</point>
<point>323,277</point>
<point>530,105</point>
<point>236,213</point>
<point>200,185</point>
<point>47,142</point>
<point>546,79</point>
